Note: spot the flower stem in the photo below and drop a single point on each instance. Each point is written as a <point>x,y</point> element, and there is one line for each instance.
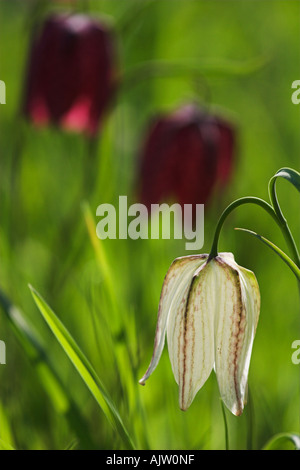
<point>286,259</point>
<point>238,202</point>
<point>285,228</point>
<point>274,210</point>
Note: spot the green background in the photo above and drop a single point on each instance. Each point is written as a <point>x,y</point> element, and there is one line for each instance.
<point>44,240</point>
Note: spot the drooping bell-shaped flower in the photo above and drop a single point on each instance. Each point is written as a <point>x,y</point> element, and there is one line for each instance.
<point>209,310</point>
<point>186,154</point>
<point>71,77</point>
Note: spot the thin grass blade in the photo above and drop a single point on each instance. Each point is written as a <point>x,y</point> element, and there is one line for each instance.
<point>83,367</point>
<point>279,441</point>
<point>290,175</point>
<point>33,348</point>
<point>5,446</point>
<point>290,263</point>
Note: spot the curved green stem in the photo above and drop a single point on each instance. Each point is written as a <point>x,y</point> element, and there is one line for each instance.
<point>285,228</point>
<point>274,442</point>
<point>188,68</point>
<point>293,177</point>
<point>170,69</point>
<point>288,261</point>
<point>244,200</point>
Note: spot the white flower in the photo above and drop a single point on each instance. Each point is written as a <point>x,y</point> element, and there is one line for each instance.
<point>210,310</point>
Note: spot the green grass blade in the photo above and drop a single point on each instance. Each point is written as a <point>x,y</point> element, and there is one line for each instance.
<point>6,433</point>
<point>83,367</point>
<point>290,263</point>
<point>290,175</point>
<point>100,255</point>
<point>32,346</point>
<point>121,319</point>
<point>5,446</point>
<point>187,68</point>
<point>294,178</point>
<point>280,440</point>
<point>72,445</point>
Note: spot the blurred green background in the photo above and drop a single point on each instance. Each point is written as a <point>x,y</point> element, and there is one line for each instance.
<point>112,315</point>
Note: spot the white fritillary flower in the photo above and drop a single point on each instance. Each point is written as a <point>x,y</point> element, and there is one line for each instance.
<point>209,309</point>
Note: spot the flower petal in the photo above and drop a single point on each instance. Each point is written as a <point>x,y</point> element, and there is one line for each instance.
<point>177,278</point>
<point>191,335</point>
<point>252,308</point>
<point>235,324</point>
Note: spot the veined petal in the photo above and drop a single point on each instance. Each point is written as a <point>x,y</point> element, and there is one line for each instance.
<point>235,325</point>
<point>177,279</point>
<point>229,258</point>
<point>191,335</point>
<point>252,308</point>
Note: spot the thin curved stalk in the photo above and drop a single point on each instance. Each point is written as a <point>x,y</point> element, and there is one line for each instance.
<point>244,200</point>
<point>285,228</point>
<point>288,261</point>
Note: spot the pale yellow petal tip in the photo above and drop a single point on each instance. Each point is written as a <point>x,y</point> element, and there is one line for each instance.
<point>238,411</point>
<point>184,404</point>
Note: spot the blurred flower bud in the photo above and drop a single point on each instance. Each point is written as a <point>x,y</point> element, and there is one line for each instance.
<point>184,156</point>
<point>71,73</point>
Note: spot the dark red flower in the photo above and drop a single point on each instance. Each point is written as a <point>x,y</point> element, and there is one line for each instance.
<point>72,74</point>
<point>184,156</point>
